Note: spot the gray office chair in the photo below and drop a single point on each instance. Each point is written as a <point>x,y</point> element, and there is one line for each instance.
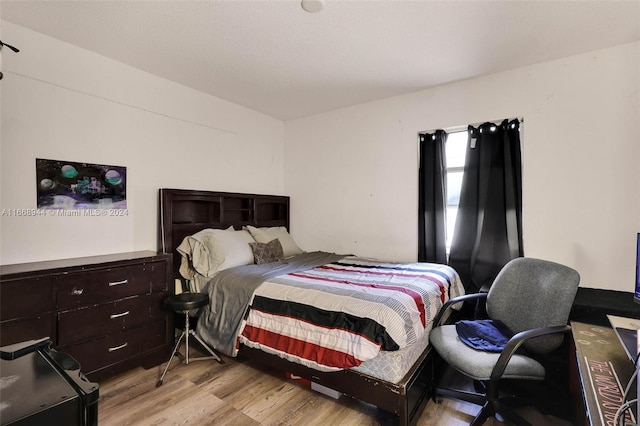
<point>533,298</point>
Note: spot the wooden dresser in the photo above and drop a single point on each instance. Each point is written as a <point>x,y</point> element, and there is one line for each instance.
<point>105,311</point>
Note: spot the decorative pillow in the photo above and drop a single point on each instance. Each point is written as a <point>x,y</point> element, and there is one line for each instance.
<point>212,250</point>
<point>267,252</point>
<point>264,235</point>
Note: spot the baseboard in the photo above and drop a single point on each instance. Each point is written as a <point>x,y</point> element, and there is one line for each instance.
<point>592,305</point>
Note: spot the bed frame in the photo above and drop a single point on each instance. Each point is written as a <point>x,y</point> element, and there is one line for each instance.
<point>185,212</point>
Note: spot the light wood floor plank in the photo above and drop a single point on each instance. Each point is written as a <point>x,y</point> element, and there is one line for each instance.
<point>242,393</point>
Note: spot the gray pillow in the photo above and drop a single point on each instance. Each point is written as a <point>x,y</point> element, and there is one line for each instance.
<point>267,252</point>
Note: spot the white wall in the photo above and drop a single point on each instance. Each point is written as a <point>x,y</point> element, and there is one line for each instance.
<point>64,103</point>
<point>352,173</point>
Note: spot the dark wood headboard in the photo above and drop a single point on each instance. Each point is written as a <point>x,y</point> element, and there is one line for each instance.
<point>184,212</point>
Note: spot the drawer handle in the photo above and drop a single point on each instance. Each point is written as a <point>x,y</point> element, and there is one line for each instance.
<point>77,291</point>
<point>118,283</point>
<point>116,348</point>
<point>119,315</point>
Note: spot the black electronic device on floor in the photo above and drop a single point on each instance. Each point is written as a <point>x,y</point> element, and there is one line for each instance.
<point>41,386</point>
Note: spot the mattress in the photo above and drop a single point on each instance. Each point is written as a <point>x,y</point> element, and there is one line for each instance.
<point>330,312</point>
<point>392,366</point>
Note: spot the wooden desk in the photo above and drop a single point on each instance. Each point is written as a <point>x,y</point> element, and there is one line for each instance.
<point>600,373</point>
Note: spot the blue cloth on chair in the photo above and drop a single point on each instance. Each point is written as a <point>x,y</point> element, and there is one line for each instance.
<point>486,335</point>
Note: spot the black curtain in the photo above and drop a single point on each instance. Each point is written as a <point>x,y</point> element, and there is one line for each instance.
<point>488,230</point>
<point>432,198</point>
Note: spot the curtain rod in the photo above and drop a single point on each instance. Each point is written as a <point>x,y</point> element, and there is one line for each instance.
<point>465,126</point>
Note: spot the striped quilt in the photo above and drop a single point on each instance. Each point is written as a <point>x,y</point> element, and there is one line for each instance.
<point>338,315</point>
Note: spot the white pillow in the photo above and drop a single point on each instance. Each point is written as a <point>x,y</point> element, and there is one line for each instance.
<point>212,250</point>
<point>264,235</point>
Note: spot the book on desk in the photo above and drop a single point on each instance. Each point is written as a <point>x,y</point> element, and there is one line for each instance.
<point>604,370</point>
<point>627,331</point>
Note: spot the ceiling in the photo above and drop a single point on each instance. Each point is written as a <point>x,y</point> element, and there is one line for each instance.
<point>273,57</point>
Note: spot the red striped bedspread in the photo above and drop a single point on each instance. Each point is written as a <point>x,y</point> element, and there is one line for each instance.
<point>338,315</point>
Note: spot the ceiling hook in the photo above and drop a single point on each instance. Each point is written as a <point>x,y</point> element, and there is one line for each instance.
<point>15,49</point>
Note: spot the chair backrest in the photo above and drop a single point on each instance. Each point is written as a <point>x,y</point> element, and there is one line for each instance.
<point>530,293</point>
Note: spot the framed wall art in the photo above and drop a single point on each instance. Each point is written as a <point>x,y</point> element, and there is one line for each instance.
<point>72,185</point>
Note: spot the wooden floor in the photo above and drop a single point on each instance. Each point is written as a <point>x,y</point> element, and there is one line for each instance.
<point>240,392</point>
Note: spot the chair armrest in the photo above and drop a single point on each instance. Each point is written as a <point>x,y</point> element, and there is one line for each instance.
<point>460,299</point>
<point>517,340</point>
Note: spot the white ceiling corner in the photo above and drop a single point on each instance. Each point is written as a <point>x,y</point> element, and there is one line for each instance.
<point>273,57</point>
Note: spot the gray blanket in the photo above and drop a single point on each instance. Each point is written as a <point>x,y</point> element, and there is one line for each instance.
<point>230,293</point>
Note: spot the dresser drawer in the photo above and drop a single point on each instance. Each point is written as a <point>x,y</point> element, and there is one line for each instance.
<point>100,286</point>
<point>20,330</point>
<point>156,275</point>
<point>113,349</point>
<point>26,297</point>
<point>95,321</point>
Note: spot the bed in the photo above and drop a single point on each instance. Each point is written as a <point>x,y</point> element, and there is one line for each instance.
<point>284,311</point>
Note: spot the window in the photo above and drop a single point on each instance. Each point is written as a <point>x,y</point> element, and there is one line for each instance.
<point>448,168</point>
<point>455,152</point>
